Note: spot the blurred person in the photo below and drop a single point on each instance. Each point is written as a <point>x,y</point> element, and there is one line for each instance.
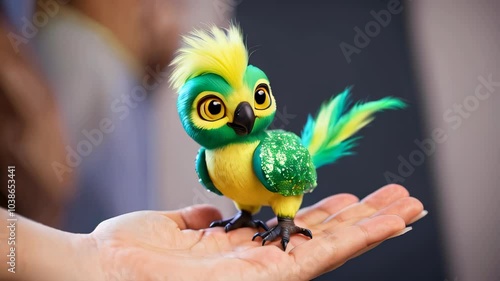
<point>31,137</point>
<point>103,59</point>
<point>99,57</point>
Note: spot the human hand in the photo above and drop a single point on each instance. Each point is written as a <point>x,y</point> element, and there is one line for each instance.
<point>175,245</point>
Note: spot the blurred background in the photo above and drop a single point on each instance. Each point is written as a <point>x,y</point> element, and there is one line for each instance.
<point>89,120</point>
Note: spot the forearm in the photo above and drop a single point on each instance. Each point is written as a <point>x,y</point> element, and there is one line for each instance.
<point>44,253</point>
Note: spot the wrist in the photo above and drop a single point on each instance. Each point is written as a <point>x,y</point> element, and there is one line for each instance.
<point>44,253</point>
<point>87,266</point>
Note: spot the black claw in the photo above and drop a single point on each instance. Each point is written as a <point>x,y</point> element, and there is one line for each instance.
<point>284,229</point>
<point>217,223</point>
<point>241,219</point>
<point>306,232</point>
<point>256,235</point>
<point>220,223</point>
<point>284,243</point>
<point>261,224</point>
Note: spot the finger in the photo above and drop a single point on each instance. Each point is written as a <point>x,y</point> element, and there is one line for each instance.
<point>194,217</point>
<point>400,233</point>
<point>407,208</point>
<point>318,212</point>
<point>369,205</point>
<point>385,196</point>
<point>336,248</point>
<point>419,216</point>
<point>369,248</point>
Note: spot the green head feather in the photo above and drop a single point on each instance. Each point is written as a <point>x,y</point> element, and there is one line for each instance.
<point>221,99</point>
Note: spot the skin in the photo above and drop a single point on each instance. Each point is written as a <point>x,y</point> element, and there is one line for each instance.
<point>176,245</point>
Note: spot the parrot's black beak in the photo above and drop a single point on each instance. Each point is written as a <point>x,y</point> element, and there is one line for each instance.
<point>244,119</point>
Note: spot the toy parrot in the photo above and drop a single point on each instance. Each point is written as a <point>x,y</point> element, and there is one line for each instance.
<point>226,105</point>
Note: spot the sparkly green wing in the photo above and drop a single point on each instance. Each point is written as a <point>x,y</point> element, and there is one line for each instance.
<point>202,171</point>
<point>283,164</point>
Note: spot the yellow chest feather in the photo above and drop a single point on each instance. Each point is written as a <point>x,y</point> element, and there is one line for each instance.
<point>231,171</point>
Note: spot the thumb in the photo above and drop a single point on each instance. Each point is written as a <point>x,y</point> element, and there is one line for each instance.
<point>194,217</point>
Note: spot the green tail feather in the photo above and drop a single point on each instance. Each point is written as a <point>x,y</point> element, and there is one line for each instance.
<point>328,136</point>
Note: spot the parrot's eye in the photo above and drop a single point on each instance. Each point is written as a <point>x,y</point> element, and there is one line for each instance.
<point>262,98</point>
<point>211,108</point>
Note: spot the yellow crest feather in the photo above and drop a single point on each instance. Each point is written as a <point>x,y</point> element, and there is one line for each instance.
<point>218,51</point>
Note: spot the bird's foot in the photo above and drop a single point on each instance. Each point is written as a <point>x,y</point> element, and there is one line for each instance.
<point>241,219</point>
<point>284,229</point>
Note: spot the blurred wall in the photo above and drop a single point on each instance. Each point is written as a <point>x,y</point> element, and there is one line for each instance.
<point>457,47</point>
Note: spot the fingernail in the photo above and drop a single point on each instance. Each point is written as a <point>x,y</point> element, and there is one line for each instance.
<point>405,230</point>
<point>421,215</point>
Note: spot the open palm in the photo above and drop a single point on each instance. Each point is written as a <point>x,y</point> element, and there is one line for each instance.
<point>176,245</point>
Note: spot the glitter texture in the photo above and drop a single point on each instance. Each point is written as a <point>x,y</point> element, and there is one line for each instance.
<point>286,163</point>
